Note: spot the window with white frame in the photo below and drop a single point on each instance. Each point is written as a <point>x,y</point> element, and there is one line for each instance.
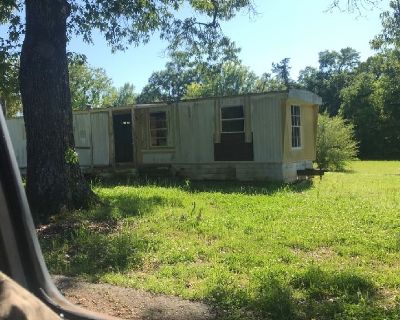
<point>296,126</point>
<point>232,119</point>
<point>158,129</point>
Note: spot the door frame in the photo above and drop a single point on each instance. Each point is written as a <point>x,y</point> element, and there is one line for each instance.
<point>122,110</point>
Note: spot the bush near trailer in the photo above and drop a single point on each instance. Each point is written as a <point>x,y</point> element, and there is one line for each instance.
<point>336,145</point>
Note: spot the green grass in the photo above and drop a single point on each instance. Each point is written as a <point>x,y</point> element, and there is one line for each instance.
<point>329,249</point>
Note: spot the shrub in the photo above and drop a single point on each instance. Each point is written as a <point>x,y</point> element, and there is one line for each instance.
<point>336,144</point>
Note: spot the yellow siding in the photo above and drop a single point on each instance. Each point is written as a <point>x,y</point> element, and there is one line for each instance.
<point>308,118</point>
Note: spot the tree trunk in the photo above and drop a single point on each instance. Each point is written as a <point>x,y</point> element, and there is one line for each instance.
<point>54,180</point>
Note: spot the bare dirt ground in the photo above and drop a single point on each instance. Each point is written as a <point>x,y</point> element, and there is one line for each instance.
<point>128,303</point>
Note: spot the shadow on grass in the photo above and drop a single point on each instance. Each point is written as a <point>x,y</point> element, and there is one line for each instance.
<point>314,294</point>
<point>227,187</point>
<point>92,243</point>
<point>127,205</point>
<point>83,252</point>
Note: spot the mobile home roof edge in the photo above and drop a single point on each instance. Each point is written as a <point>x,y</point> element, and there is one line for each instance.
<point>292,94</point>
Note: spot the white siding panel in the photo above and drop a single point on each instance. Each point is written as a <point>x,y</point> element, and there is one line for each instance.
<point>81,124</point>
<point>85,157</point>
<point>16,128</point>
<point>100,139</point>
<point>267,128</point>
<point>157,157</point>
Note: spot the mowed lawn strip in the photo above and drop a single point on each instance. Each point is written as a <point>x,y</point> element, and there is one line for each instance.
<point>323,249</point>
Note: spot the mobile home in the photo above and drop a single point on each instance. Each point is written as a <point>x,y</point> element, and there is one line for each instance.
<point>266,136</point>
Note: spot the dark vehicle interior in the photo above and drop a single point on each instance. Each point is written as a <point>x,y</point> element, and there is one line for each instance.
<point>20,254</point>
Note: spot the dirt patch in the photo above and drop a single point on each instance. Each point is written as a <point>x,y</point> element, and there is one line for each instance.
<point>128,303</point>
<point>51,230</point>
<point>319,254</point>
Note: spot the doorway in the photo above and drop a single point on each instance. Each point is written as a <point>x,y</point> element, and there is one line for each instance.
<point>123,141</point>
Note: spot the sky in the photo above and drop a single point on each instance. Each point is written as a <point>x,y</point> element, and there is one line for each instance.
<point>295,29</point>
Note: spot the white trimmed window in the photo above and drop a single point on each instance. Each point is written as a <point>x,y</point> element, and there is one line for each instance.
<point>232,119</point>
<point>158,129</point>
<point>296,126</point>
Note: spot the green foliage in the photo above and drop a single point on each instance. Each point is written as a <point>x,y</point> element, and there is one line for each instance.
<point>89,86</point>
<point>9,86</point>
<point>90,252</point>
<point>282,71</point>
<point>335,72</point>
<point>390,35</point>
<point>321,250</point>
<point>71,156</point>
<point>170,84</point>
<point>125,96</point>
<point>336,145</point>
<point>232,79</point>
<point>267,83</point>
<point>126,22</point>
<point>371,102</point>
<point>187,79</point>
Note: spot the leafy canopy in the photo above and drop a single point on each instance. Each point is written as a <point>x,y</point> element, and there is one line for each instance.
<point>390,35</point>
<point>89,86</point>
<point>191,26</point>
<point>336,71</point>
<point>128,22</point>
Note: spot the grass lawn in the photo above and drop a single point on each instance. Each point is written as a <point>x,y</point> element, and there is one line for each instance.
<point>327,249</point>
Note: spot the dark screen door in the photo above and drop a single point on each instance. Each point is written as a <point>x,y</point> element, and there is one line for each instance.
<point>123,137</point>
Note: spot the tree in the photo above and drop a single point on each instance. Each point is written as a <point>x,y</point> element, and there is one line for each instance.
<point>268,83</point>
<point>390,35</point>
<point>170,84</point>
<point>357,6</point>
<point>54,180</point>
<point>186,71</point>
<point>371,102</point>
<point>125,96</point>
<point>232,79</point>
<point>9,88</point>
<point>336,71</point>
<point>282,72</point>
<point>89,86</point>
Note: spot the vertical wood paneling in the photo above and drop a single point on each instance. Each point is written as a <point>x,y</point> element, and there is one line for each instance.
<point>16,128</point>
<point>266,125</point>
<point>82,135</point>
<point>100,139</point>
<point>195,143</point>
